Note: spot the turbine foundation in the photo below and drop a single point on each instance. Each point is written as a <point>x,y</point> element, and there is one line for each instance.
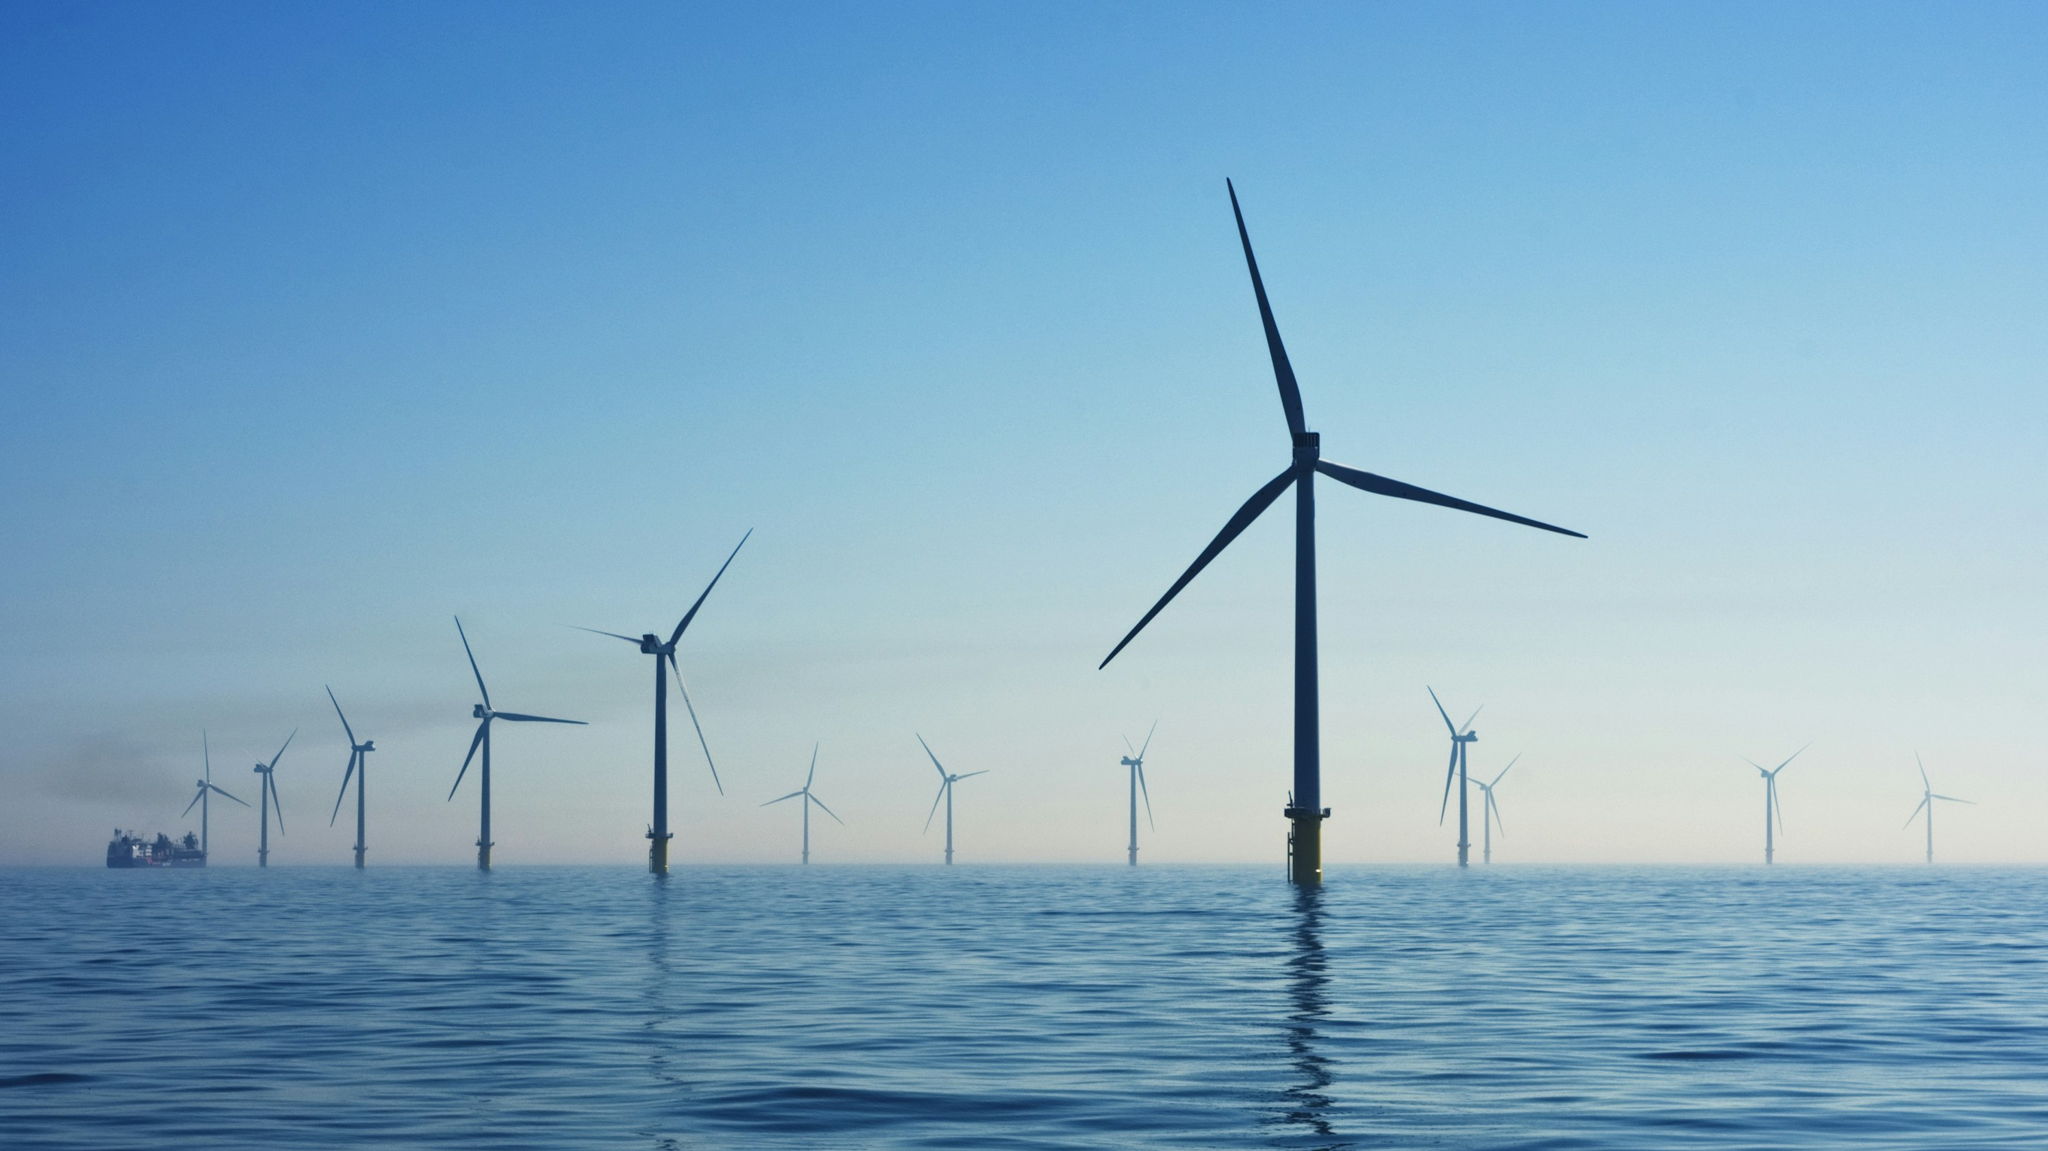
<point>657,853</point>
<point>1305,845</point>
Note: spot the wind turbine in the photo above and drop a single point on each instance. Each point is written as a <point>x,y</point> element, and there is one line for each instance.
<point>1771,807</point>
<point>205,786</point>
<point>664,659</point>
<point>946,782</point>
<point>1927,799</point>
<point>1460,740</point>
<point>485,714</point>
<point>810,799</point>
<point>1136,762</point>
<point>1304,809</point>
<point>1491,810</point>
<point>358,755</point>
<point>267,802</point>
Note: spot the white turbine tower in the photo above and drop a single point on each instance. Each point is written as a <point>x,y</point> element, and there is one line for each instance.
<point>946,782</point>
<point>1927,799</point>
<point>809,799</point>
<point>1490,811</point>
<point>1136,762</point>
<point>1771,807</point>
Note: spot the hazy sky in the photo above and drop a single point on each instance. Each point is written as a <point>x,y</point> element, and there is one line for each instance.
<point>319,324</point>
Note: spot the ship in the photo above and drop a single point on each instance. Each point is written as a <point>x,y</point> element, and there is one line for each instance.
<point>133,849</point>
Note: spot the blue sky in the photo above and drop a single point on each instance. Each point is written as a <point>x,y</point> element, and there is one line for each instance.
<point>319,325</point>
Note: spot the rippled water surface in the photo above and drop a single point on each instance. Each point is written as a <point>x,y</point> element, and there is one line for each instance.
<point>1024,1007</point>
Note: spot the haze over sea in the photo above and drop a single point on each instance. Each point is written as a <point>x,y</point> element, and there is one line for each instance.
<point>1015,1007</point>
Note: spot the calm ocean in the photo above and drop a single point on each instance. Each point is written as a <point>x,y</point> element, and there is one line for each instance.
<point>1015,1007</point>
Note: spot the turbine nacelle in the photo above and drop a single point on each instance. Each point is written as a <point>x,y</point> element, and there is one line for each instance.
<point>370,745</point>
<point>1308,448</point>
<point>650,644</point>
<point>479,711</point>
<point>1127,761</point>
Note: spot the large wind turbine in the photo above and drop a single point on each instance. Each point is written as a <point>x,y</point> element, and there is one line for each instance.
<point>1461,738</point>
<point>1489,810</point>
<point>1771,808</point>
<point>267,802</point>
<point>1136,762</point>
<point>946,782</point>
<point>1927,799</point>
<point>1304,810</point>
<point>484,713</point>
<point>664,659</point>
<point>358,756</point>
<point>205,786</point>
<point>809,799</point>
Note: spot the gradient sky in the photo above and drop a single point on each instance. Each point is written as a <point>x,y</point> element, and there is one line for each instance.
<point>319,324</point>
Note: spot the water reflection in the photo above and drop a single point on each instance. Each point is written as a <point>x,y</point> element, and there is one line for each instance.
<point>1307,1107</point>
<point>657,1012</point>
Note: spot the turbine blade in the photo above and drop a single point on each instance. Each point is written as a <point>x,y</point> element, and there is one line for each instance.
<point>1283,372</point>
<point>345,777</point>
<point>1504,771</point>
<point>1923,772</point>
<point>1147,793</point>
<point>935,805</point>
<point>478,738</point>
<point>1495,809</point>
<point>1148,742</point>
<point>1953,799</point>
<point>280,751</point>
<point>1129,746</point>
<point>780,798</point>
<point>935,758</point>
<point>1382,486</point>
<point>1450,773</point>
<point>223,791</point>
<point>1775,805</point>
<point>1789,759</point>
<point>1473,716</point>
<point>1916,812</point>
<point>692,613</point>
<point>344,719</point>
<point>472,663</point>
<point>970,775</point>
<point>684,688</point>
<point>206,753</point>
<point>1440,710</point>
<point>1260,501</point>
<point>195,803</point>
<point>517,717</point>
<point>634,640</point>
<point>827,810</point>
<point>276,807</point>
<point>813,773</point>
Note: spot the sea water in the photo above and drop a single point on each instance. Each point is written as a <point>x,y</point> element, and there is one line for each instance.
<point>1024,1007</point>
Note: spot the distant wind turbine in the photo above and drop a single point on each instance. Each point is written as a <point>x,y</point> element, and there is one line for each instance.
<point>358,757</point>
<point>1304,810</point>
<point>267,802</point>
<point>1136,762</point>
<point>809,799</point>
<point>205,785</point>
<point>485,714</point>
<point>1489,810</point>
<point>1462,736</point>
<point>1927,799</point>
<point>946,782</point>
<point>665,659</point>
<point>1771,807</point>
